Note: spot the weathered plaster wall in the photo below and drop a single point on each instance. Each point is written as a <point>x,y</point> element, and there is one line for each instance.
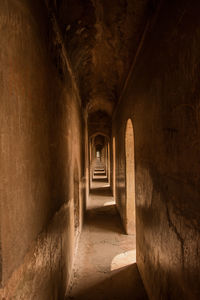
<point>163,99</point>
<point>40,126</point>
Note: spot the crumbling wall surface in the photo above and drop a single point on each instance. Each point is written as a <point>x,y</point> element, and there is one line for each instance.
<point>40,127</point>
<point>45,267</point>
<point>163,99</point>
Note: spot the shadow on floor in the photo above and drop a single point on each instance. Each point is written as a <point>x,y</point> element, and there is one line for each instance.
<point>104,218</point>
<point>99,179</point>
<point>102,211</point>
<point>117,286</point>
<point>101,191</point>
<point>105,266</point>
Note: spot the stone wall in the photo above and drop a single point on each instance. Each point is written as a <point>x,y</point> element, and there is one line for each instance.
<point>41,142</point>
<point>163,98</point>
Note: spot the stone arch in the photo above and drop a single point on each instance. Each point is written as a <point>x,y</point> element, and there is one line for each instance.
<point>100,133</point>
<point>130,179</point>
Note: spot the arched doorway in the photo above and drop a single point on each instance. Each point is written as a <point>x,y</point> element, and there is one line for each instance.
<point>130,179</point>
<point>108,162</point>
<point>114,178</point>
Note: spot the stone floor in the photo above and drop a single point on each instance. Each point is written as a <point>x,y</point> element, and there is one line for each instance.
<point>105,267</point>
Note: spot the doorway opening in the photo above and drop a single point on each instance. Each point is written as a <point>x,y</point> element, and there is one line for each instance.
<point>114,169</point>
<point>130,179</point>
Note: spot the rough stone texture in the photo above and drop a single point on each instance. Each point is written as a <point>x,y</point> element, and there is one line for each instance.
<point>101,38</point>
<point>45,269</point>
<point>41,142</point>
<point>162,98</point>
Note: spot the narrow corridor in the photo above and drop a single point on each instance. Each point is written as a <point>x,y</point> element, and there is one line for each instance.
<point>99,149</point>
<point>105,265</point>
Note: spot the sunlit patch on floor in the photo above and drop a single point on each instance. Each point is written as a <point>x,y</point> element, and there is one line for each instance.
<point>109,203</point>
<point>123,259</point>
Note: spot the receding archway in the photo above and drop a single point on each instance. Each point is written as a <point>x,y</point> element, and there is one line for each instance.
<point>130,179</point>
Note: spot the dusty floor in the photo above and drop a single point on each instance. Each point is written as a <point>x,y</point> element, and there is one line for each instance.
<point>105,267</point>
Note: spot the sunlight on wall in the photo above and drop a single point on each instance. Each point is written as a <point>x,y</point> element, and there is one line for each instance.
<point>123,259</point>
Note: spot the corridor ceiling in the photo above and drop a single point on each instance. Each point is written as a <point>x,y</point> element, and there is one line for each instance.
<point>101,37</point>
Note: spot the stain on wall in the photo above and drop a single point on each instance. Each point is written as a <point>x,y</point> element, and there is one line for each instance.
<point>163,98</point>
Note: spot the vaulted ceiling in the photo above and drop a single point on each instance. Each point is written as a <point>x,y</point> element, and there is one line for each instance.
<point>101,38</point>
